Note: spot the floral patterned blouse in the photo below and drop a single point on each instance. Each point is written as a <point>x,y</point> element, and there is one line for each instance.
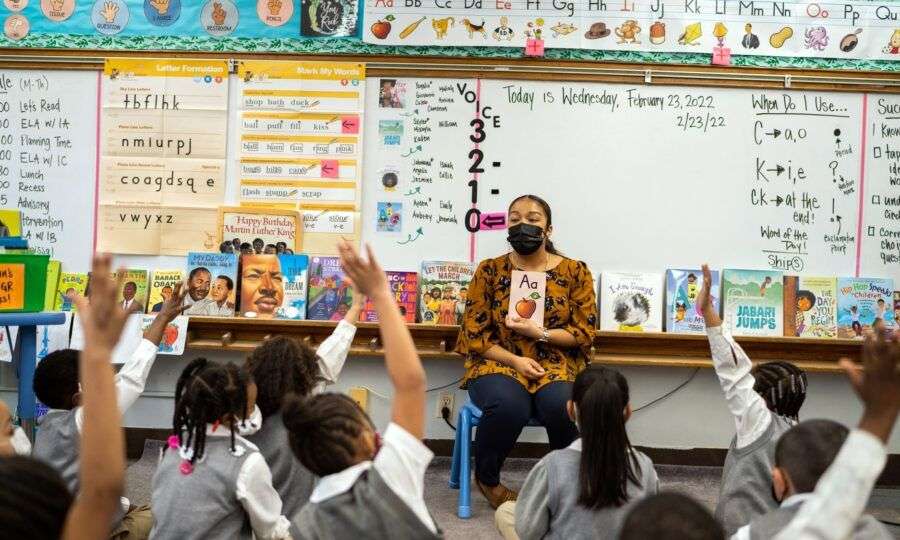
<point>570,304</point>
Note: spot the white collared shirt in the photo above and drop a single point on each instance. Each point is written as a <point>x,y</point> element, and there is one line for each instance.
<point>330,356</point>
<point>799,498</point>
<point>842,492</point>
<point>751,415</point>
<point>254,490</point>
<point>401,462</point>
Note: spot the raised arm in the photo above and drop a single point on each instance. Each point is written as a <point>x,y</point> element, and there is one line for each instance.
<point>401,359</point>
<point>844,489</point>
<point>332,353</point>
<point>102,451</point>
<point>751,416</point>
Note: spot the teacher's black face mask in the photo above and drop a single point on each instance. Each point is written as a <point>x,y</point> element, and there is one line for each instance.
<point>525,238</point>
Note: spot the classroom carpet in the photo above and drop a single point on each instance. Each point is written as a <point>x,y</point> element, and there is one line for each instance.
<point>699,482</point>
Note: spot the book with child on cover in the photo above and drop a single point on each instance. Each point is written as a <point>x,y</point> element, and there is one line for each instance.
<point>753,302</point>
<point>69,283</point>
<point>443,289</point>
<point>810,306</point>
<point>859,302</point>
<point>682,288</point>
<point>631,301</point>
<point>330,296</point>
<point>211,280</point>
<point>405,287</point>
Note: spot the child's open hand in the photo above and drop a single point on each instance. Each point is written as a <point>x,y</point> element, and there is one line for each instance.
<point>705,301</point>
<point>103,316</point>
<point>366,274</point>
<point>878,382</point>
<point>174,305</point>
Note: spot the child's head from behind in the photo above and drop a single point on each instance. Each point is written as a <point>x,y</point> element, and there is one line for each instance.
<point>803,454</point>
<point>670,516</point>
<point>783,387</point>
<point>210,393</point>
<point>600,407</point>
<point>34,500</point>
<point>329,432</point>
<point>279,367</point>
<point>56,380</point>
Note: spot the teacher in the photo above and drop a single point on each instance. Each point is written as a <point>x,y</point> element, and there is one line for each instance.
<point>516,368</point>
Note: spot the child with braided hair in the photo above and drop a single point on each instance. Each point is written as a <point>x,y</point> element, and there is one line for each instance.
<point>765,401</point>
<point>211,482</point>
<point>368,488</point>
<point>283,366</point>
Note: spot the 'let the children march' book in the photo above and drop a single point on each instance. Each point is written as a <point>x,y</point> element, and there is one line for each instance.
<point>810,306</point>
<point>753,301</point>
<point>682,289</point>
<point>860,302</point>
<point>631,302</point>
<point>443,289</point>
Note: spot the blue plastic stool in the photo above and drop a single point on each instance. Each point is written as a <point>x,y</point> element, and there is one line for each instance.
<point>460,467</point>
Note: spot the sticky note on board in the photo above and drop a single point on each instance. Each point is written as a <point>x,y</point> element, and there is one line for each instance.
<point>329,168</point>
<point>349,125</point>
<point>12,286</point>
<point>534,47</point>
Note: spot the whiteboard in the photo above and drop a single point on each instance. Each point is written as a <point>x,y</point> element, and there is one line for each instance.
<point>48,155</point>
<point>640,178</point>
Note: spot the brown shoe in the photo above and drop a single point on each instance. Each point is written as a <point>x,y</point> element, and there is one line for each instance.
<point>496,497</point>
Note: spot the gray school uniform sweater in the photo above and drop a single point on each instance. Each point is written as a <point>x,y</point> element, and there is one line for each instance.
<point>293,482</point>
<point>57,443</point>
<point>568,520</point>
<point>746,490</point>
<point>769,525</point>
<point>369,510</point>
<point>201,505</point>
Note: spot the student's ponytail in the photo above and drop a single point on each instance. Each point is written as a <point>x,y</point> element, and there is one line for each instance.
<point>607,459</point>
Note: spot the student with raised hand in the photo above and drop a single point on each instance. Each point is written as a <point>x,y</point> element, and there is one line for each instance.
<point>56,384</point>
<point>802,456</point>
<point>833,510</point>
<point>212,483</point>
<point>283,366</point>
<point>765,402</point>
<point>581,491</point>
<point>370,487</point>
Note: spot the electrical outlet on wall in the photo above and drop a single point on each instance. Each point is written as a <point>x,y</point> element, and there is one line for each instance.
<point>361,397</point>
<point>445,399</point>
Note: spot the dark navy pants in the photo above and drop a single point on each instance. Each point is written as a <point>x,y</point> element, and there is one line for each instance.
<point>507,406</point>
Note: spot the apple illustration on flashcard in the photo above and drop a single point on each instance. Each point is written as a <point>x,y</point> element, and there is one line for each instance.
<point>526,295</point>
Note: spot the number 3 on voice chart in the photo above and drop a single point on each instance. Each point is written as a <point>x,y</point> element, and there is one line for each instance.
<point>479,136</point>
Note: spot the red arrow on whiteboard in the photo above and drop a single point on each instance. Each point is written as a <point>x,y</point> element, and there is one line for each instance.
<point>329,168</point>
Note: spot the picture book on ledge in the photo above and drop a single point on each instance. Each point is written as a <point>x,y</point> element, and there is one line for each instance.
<point>631,301</point>
<point>211,283</point>
<point>294,272</point>
<point>162,285</point>
<point>330,296</point>
<point>69,283</point>
<point>682,288</point>
<point>753,302</point>
<point>405,287</point>
<point>810,306</point>
<point>443,289</point>
<point>859,302</point>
